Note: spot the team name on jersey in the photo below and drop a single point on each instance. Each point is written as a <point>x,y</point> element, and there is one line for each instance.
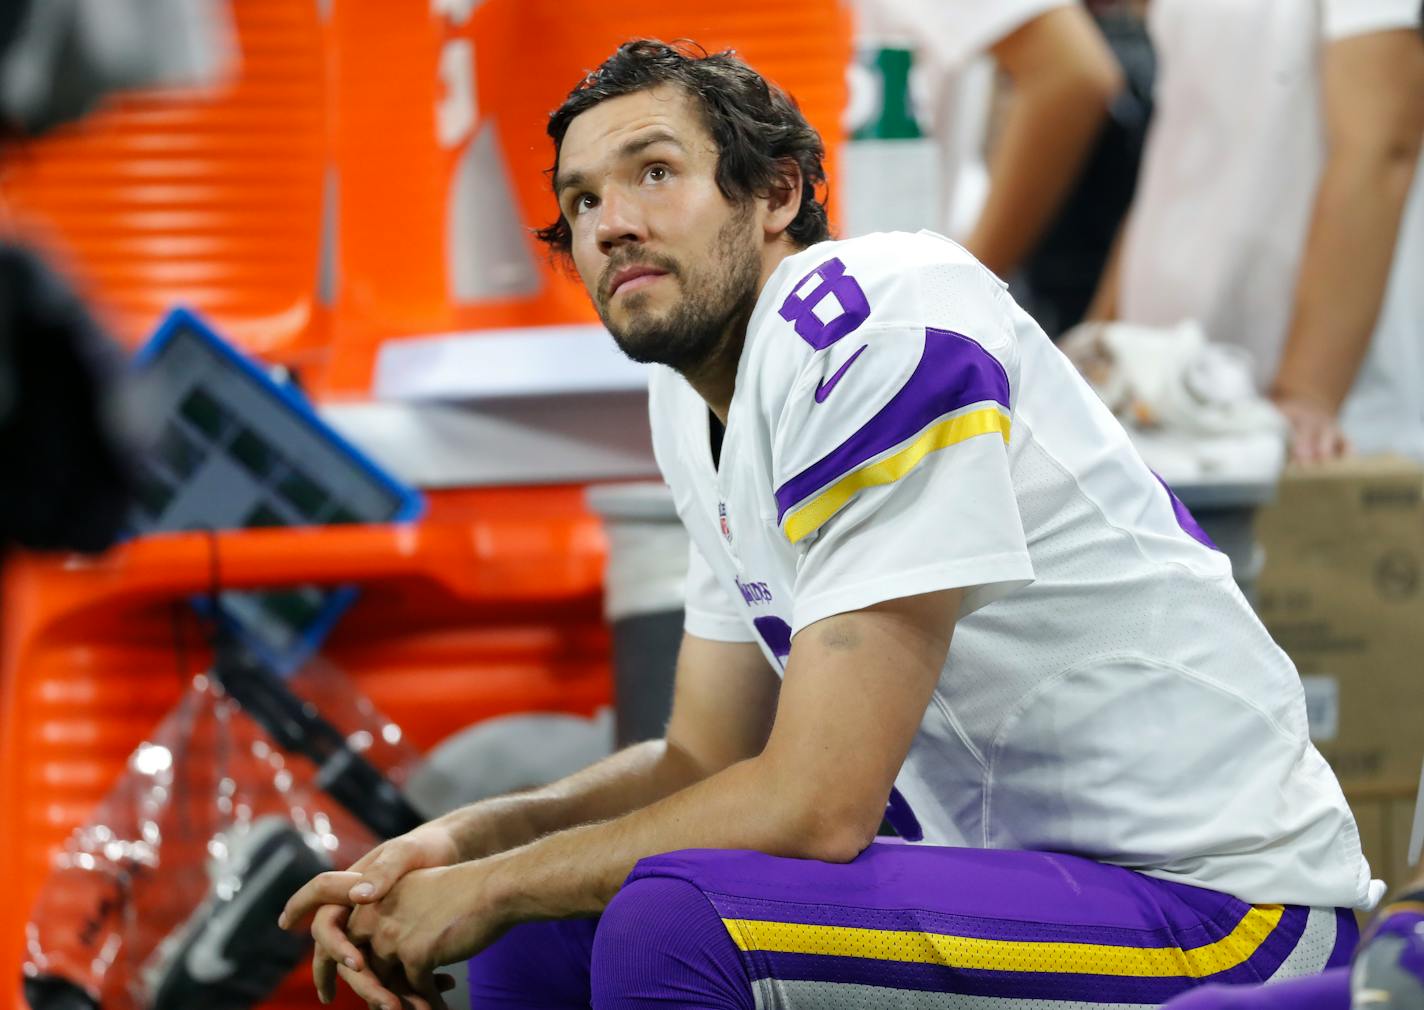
<point>754,592</point>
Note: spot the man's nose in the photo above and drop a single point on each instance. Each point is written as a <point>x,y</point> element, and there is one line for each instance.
<point>619,222</point>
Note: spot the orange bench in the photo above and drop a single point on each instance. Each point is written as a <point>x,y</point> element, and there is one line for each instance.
<point>489,606</point>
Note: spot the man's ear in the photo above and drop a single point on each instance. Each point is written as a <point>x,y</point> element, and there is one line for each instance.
<point>783,200</point>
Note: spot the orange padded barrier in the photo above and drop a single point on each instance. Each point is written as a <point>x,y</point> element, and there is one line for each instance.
<point>374,170</point>
<point>490,606</point>
<point>487,81</point>
<point>211,200</point>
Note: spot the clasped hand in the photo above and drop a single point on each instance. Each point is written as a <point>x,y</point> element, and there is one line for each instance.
<point>386,941</point>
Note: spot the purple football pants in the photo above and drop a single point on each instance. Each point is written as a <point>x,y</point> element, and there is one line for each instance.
<point>1390,960</point>
<point>1330,991</point>
<point>906,926</point>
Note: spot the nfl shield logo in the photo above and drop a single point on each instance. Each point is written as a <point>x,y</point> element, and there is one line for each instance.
<point>722,515</point>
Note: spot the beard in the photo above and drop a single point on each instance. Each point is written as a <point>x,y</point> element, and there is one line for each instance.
<point>693,332</point>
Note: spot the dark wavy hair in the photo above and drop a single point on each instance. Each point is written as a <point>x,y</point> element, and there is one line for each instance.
<point>757,127</point>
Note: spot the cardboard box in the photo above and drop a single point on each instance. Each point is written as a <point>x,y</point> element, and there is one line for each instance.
<point>1342,591</point>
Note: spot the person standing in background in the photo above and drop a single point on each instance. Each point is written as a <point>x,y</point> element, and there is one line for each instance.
<point>1056,282</point>
<point>1280,204</point>
<point>1063,79</point>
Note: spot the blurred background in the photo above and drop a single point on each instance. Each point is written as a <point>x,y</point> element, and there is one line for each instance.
<point>328,505</point>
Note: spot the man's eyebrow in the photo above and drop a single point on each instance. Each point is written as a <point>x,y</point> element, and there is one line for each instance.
<point>569,180</point>
<point>639,144</point>
<point>629,149</point>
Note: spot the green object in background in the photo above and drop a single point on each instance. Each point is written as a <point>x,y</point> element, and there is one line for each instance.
<point>894,119</point>
<point>891,176</point>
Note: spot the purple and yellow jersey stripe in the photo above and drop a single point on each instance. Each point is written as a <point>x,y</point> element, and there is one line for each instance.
<point>957,391</point>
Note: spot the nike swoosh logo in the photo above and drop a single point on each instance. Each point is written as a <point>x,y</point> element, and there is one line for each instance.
<point>824,387</point>
<point>206,961</point>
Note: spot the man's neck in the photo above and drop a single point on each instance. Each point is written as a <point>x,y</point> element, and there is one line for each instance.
<point>716,379</point>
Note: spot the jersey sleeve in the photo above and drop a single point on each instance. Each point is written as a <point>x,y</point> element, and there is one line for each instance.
<point>708,612</point>
<point>895,480</point>
<point>954,31</point>
<point>1344,18</point>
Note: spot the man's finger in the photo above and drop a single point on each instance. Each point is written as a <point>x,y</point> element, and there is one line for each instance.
<point>332,947</point>
<point>431,994</point>
<point>323,976</point>
<point>370,857</point>
<point>1306,440</point>
<point>392,862</point>
<point>369,988</point>
<point>1325,447</point>
<point>360,930</point>
<point>422,983</point>
<point>1339,444</point>
<point>392,975</point>
<point>329,930</point>
<point>330,888</point>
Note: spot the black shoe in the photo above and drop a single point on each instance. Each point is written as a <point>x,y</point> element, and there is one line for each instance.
<point>50,992</point>
<point>230,953</point>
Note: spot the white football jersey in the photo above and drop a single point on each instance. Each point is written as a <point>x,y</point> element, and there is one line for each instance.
<point>900,426</point>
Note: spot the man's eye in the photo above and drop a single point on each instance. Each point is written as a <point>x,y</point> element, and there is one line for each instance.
<point>657,173</point>
<point>584,201</point>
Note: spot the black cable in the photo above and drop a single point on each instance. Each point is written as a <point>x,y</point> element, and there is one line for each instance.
<point>214,570</point>
<point>296,725</point>
<point>180,642</point>
<point>182,611</point>
<point>180,608</point>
